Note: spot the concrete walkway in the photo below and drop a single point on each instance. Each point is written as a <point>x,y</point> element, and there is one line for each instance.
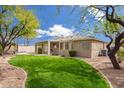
<point>116,77</point>
<point>10,76</point>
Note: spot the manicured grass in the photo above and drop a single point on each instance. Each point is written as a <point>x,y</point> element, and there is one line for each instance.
<point>58,72</point>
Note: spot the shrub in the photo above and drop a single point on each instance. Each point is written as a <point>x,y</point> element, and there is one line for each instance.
<point>72,53</point>
<point>120,54</point>
<point>1,49</point>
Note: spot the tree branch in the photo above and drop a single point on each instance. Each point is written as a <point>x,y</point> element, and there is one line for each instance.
<point>99,8</point>
<point>16,35</point>
<point>110,17</point>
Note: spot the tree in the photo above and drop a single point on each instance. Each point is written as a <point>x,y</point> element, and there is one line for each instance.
<point>113,30</point>
<point>15,21</point>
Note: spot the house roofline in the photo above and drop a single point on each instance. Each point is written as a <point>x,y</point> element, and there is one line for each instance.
<point>77,39</point>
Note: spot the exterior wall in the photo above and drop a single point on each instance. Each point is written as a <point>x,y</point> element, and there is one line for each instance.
<point>87,48</point>
<point>97,47</point>
<point>83,48</point>
<point>26,49</point>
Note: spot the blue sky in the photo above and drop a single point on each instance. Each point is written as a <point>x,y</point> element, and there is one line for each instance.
<point>49,18</point>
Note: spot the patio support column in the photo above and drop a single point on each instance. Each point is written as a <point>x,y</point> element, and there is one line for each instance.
<point>48,47</point>
<point>70,45</point>
<point>59,47</point>
<point>63,45</point>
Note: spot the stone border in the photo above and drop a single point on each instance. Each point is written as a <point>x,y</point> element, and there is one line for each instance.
<point>99,72</point>
<point>23,83</point>
<point>103,76</point>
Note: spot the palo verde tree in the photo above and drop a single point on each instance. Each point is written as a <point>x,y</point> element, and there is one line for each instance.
<point>15,22</point>
<point>113,29</point>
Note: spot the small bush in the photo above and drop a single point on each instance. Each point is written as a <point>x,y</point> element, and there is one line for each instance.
<point>1,49</point>
<point>72,53</point>
<point>120,54</point>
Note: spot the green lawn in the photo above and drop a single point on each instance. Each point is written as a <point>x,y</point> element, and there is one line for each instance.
<point>58,72</point>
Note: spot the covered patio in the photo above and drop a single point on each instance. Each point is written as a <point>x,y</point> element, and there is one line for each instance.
<point>53,47</point>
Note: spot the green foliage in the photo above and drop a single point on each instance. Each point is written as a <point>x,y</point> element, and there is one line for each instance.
<point>120,54</point>
<point>72,53</point>
<point>20,16</point>
<point>58,72</point>
<point>28,18</point>
<point>110,28</point>
<point>7,17</point>
<point>1,49</point>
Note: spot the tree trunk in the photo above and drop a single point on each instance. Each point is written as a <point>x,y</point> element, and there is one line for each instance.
<point>114,61</point>
<point>5,50</point>
<point>27,42</point>
<point>3,53</point>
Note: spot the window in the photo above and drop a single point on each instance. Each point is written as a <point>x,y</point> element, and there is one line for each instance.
<point>85,45</point>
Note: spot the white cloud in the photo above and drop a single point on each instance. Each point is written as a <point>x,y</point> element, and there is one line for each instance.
<point>56,30</point>
<point>42,32</point>
<point>59,30</point>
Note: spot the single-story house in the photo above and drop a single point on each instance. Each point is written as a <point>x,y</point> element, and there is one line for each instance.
<point>84,46</point>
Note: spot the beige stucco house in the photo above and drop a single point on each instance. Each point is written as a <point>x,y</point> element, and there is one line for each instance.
<point>84,47</point>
